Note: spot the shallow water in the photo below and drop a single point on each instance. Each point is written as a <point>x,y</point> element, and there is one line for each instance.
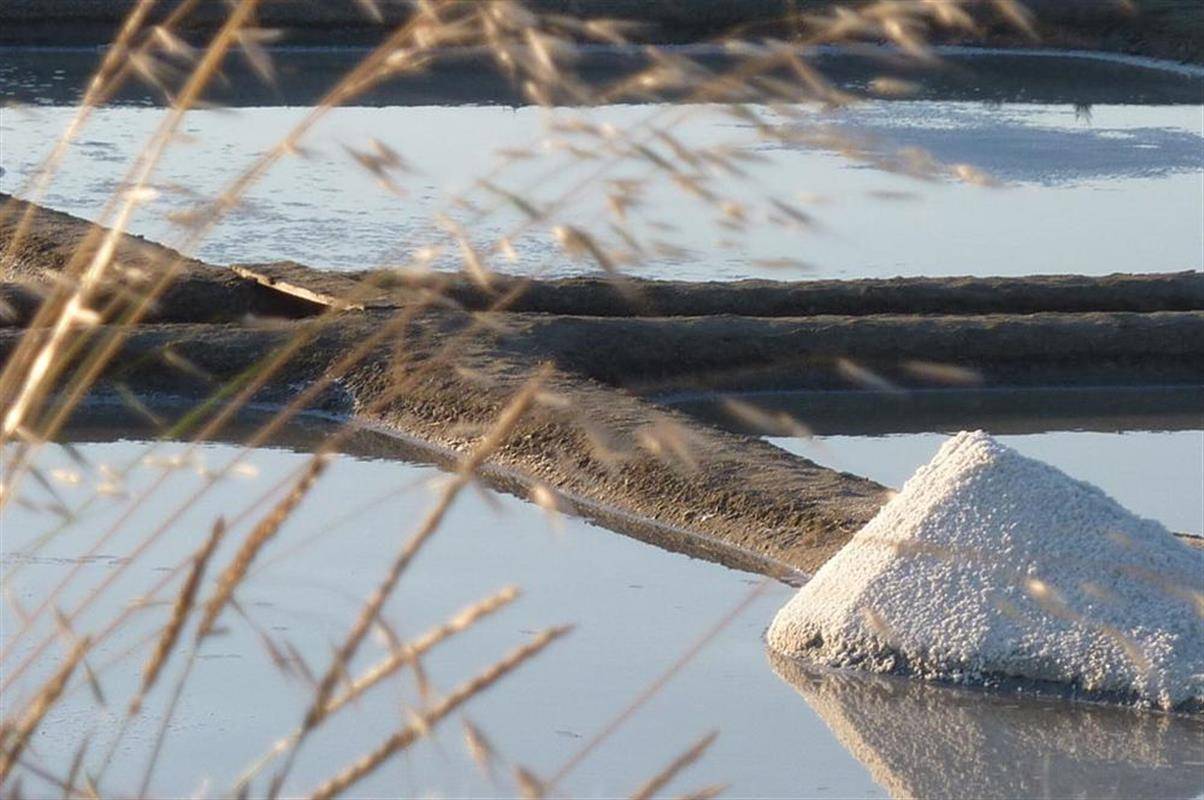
<point>1143,445</point>
<point>1156,474</point>
<point>1110,187</point>
<point>636,609</point>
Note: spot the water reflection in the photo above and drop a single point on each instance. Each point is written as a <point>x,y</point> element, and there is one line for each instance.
<point>920,740</point>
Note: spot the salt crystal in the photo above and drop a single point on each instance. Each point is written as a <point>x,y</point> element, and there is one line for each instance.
<point>989,565</point>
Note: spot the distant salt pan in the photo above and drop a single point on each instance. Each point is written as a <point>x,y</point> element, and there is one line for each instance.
<point>990,566</point>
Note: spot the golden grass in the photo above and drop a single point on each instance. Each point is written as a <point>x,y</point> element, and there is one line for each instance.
<point>15,735</point>
<point>357,771</point>
<point>179,614</point>
<point>268,527</point>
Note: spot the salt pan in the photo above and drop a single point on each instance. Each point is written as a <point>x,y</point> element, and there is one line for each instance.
<point>990,566</point>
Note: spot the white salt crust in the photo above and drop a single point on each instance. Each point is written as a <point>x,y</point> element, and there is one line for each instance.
<point>988,566</point>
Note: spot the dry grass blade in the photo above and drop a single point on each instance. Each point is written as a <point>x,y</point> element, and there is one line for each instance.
<point>371,9</point>
<point>1019,16</point>
<point>530,787</point>
<point>674,768</point>
<point>410,651</point>
<point>863,376</point>
<point>886,86</point>
<point>254,543</point>
<point>577,242</point>
<point>481,750</point>
<point>517,201</point>
<point>653,688</point>
<point>27,380</point>
<point>105,80</point>
<point>251,41</point>
<point>669,441</point>
<point>73,771</point>
<point>18,738</point>
<point>65,630</point>
<point>949,374</point>
<point>506,422</point>
<point>179,614</point>
<point>474,265</point>
<point>765,422</point>
<point>705,793</point>
<point>431,717</point>
<point>496,436</point>
<point>278,656</point>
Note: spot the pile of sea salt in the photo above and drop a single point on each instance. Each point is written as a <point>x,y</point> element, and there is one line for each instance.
<point>990,567</point>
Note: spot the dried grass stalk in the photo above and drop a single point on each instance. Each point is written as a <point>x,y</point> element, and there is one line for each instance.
<point>507,421</point>
<point>254,543</point>
<point>705,793</point>
<point>481,749</point>
<point>21,732</point>
<point>410,651</point>
<point>179,614</point>
<point>399,741</point>
<point>406,653</point>
<point>662,778</point>
<point>530,787</point>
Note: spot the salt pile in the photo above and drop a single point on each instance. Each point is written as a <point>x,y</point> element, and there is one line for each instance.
<point>989,566</point>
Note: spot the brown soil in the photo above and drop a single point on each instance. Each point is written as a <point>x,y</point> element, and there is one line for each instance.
<point>51,240</point>
<point>597,296</point>
<point>606,451</point>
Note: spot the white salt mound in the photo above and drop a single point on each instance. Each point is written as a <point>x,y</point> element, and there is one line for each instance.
<point>990,566</point>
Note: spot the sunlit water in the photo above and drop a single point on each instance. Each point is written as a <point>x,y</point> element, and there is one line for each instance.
<point>636,608</point>
<point>1084,189</point>
<point>1156,474</point>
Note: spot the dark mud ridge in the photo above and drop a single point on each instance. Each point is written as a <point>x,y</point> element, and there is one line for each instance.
<point>437,358</point>
<point>1161,28</point>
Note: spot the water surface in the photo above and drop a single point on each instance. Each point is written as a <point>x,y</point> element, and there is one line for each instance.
<point>783,733</point>
<point>1090,186</point>
<point>1156,474</point>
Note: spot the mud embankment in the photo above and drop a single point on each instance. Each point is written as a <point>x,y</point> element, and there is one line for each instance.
<point>1160,28</point>
<point>436,368</point>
